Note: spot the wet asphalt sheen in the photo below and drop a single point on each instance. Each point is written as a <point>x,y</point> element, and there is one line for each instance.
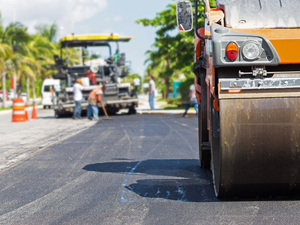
<point>133,169</point>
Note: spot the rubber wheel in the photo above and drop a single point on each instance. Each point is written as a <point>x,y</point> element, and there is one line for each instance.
<point>204,148</point>
<point>203,135</point>
<point>57,114</point>
<point>132,110</point>
<point>215,149</point>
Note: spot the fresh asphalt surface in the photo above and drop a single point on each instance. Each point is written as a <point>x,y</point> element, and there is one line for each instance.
<point>133,169</point>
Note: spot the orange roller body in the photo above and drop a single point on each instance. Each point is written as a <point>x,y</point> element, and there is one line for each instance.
<point>285,41</point>
<point>247,68</point>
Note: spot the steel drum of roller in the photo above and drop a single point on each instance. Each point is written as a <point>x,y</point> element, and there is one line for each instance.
<point>256,144</point>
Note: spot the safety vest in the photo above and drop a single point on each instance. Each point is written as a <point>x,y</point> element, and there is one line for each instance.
<point>93,93</point>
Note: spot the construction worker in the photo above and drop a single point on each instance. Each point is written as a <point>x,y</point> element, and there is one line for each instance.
<point>94,97</point>
<point>116,56</point>
<point>77,91</point>
<point>192,101</point>
<point>151,91</point>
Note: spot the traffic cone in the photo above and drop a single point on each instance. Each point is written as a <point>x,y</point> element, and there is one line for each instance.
<point>33,114</point>
<point>26,113</point>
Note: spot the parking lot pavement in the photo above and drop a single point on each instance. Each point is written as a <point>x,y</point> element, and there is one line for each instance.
<point>20,140</point>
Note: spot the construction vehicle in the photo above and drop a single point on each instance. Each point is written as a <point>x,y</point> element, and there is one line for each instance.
<point>247,78</point>
<point>79,59</point>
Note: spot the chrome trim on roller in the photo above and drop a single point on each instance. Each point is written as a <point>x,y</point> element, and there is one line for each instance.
<point>265,83</point>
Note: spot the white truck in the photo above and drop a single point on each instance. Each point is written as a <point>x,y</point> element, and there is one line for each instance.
<point>49,89</point>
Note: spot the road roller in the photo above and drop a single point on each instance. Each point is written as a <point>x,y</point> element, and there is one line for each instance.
<point>247,81</point>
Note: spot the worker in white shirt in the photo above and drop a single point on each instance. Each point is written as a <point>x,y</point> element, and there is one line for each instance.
<point>151,91</point>
<point>192,101</point>
<point>77,91</point>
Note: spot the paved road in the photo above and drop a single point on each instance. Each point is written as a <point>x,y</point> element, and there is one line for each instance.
<point>20,140</point>
<point>133,169</point>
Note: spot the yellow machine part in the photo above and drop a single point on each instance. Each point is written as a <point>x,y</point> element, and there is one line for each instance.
<point>95,37</point>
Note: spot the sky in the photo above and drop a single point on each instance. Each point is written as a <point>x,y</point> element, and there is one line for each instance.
<point>92,17</point>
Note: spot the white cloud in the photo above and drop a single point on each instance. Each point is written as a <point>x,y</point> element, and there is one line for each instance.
<point>118,18</point>
<point>66,13</point>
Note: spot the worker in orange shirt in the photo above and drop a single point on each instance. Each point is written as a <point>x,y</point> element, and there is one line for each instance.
<point>94,97</point>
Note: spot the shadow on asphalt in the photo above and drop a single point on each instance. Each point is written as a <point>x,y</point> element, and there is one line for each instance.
<point>84,116</point>
<point>185,182</point>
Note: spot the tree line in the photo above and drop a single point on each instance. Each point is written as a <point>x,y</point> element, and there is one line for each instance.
<point>27,57</point>
<point>172,53</point>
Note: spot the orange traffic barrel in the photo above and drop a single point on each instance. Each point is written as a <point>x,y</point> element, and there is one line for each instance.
<point>18,113</point>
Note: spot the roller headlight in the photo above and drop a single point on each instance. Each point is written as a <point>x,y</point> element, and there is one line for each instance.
<point>251,51</point>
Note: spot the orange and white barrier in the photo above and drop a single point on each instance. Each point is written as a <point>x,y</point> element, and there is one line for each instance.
<point>18,113</point>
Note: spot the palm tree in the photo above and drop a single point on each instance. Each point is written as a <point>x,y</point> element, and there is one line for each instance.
<point>16,36</point>
<point>5,65</point>
<point>27,55</point>
<point>41,51</point>
<point>48,31</point>
<point>6,54</point>
<point>29,68</point>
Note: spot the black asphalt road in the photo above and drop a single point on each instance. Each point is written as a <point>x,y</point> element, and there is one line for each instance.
<point>137,169</point>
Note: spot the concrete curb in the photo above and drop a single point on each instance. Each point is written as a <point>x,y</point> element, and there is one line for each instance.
<point>139,111</point>
<point>9,111</point>
<point>163,112</point>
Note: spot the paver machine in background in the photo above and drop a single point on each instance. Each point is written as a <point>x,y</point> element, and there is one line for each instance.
<point>94,70</point>
<point>247,78</point>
